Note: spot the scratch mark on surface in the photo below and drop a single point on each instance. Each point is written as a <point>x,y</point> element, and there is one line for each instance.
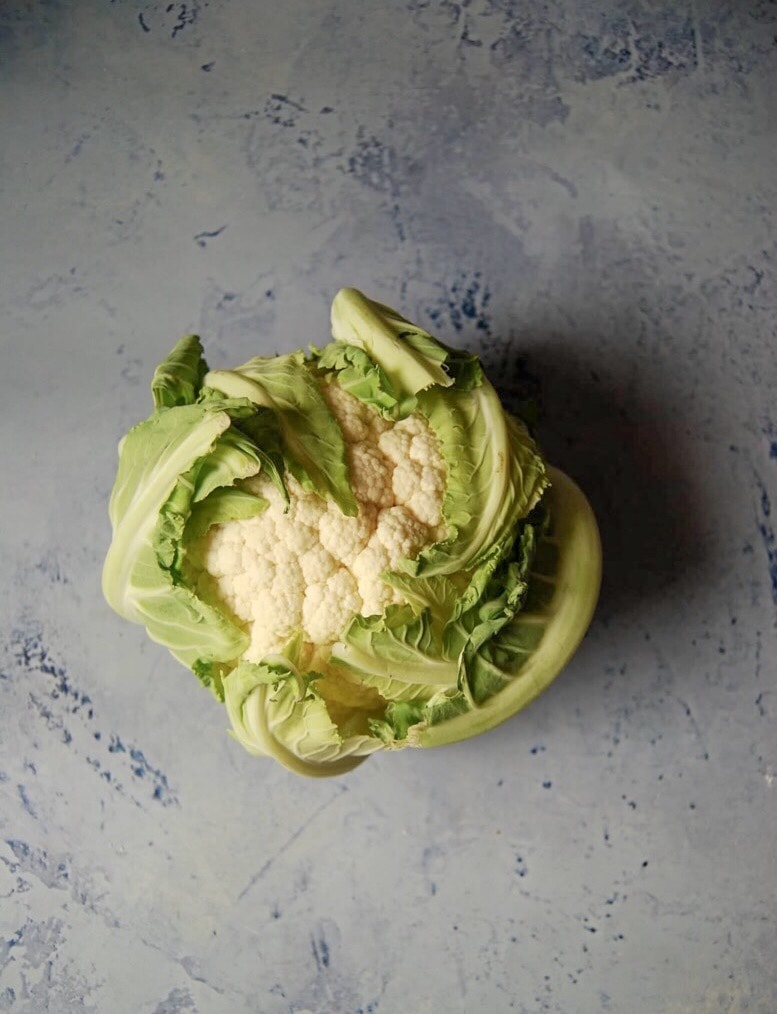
<point>201,239</point>
<point>262,871</point>
<point>698,39</point>
<point>320,950</point>
<point>694,724</point>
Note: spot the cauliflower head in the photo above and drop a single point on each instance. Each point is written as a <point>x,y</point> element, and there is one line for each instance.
<point>355,547</point>
<point>302,566</point>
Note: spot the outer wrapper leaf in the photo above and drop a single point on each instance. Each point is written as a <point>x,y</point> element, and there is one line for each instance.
<point>531,651</point>
<point>154,486</point>
<point>276,713</point>
<point>178,379</point>
<point>387,338</point>
<point>495,476</point>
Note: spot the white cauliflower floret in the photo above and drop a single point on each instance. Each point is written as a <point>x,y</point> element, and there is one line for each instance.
<point>345,537</point>
<point>418,479</point>
<point>398,535</point>
<point>317,565</point>
<point>371,475</point>
<point>401,533</point>
<point>328,607</point>
<point>257,535</point>
<point>295,536</point>
<point>367,567</point>
<point>223,555</point>
<point>357,421</point>
<point>304,565</point>
<point>258,572</point>
<point>350,412</point>
<point>305,509</point>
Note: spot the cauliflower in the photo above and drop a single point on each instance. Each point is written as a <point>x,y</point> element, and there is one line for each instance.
<point>355,548</point>
<point>306,566</point>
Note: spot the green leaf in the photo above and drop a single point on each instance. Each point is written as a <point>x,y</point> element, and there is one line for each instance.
<point>211,675</point>
<point>496,476</point>
<point>405,719</point>
<point>511,667</point>
<point>440,594</point>
<point>461,367</point>
<point>263,428</point>
<point>398,646</point>
<point>312,443</point>
<point>408,355</point>
<point>225,504</point>
<point>496,587</point>
<point>508,672</point>
<point>364,379</point>
<point>178,379</point>
<point>148,508</point>
<point>276,713</point>
<point>234,456</point>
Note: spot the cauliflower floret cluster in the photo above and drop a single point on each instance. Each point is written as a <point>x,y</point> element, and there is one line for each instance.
<point>308,566</point>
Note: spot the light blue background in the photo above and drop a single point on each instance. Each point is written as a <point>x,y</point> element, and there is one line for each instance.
<point>583,192</point>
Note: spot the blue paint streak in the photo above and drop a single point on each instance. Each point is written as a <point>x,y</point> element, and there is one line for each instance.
<point>59,700</point>
<point>280,110</point>
<point>25,800</point>
<point>140,768</point>
<point>187,15</point>
<point>466,301</point>
<point>768,536</point>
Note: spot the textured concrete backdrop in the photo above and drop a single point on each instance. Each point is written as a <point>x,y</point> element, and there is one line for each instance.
<point>585,193</point>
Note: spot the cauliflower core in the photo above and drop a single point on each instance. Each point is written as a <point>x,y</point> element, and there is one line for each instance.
<point>309,567</point>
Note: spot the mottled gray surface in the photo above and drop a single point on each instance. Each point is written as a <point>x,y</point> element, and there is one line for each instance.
<point>585,192</point>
